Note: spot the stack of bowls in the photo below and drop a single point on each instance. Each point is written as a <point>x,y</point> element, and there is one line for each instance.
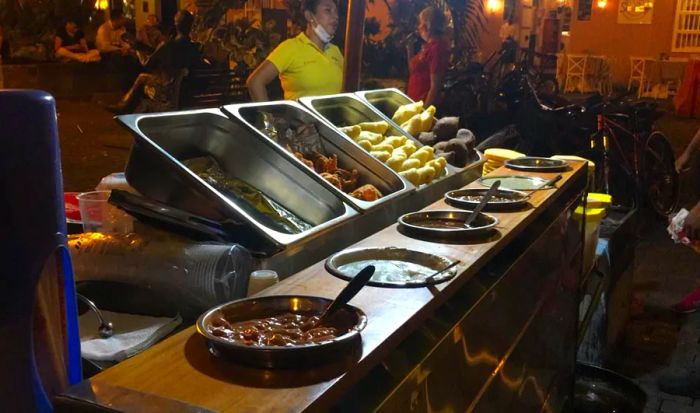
<point>496,157</point>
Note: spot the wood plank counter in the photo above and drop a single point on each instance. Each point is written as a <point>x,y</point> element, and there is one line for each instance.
<point>181,368</point>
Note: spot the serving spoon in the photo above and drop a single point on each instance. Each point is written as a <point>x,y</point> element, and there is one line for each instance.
<point>347,293</point>
<point>484,200</point>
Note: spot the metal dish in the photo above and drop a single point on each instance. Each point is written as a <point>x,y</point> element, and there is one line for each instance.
<point>446,224</point>
<point>347,318</point>
<point>537,164</point>
<point>155,168</point>
<point>515,182</point>
<point>513,199</point>
<point>371,170</point>
<point>392,265</point>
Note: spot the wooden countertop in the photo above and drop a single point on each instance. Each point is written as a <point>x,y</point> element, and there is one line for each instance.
<point>181,367</point>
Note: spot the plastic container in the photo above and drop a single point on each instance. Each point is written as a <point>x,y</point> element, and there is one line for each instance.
<point>596,200</point>
<point>98,215</point>
<point>594,216</point>
<point>260,280</point>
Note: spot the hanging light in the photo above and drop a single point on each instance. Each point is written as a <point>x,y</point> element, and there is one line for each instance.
<point>493,6</point>
<point>101,4</point>
<point>602,4</point>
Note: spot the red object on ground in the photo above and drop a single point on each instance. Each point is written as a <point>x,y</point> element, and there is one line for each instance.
<point>687,100</point>
<point>71,204</point>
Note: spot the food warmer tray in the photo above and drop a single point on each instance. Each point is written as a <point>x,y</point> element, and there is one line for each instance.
<point>350,156</point>
<point>155,168</point>
<point>346,109</point>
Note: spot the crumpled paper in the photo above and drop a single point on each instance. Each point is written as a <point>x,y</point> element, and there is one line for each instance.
<point>675,229</point>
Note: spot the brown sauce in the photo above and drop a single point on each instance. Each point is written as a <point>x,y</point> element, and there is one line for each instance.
<point>283,330</point>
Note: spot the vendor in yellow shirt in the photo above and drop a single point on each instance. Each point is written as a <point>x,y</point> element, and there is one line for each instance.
<point>308,64</point>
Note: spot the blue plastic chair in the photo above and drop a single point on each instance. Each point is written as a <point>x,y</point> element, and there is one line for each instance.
<point>32,231</point>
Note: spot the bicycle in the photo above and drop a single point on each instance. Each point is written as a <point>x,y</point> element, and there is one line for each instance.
<point>635,162</point>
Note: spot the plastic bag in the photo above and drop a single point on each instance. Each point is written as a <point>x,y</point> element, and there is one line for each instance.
<point>675,229</point>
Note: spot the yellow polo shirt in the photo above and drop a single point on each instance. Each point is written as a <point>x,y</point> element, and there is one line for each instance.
<point>306,70</point>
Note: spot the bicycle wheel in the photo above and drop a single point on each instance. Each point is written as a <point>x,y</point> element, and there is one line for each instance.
<point>659,174</point>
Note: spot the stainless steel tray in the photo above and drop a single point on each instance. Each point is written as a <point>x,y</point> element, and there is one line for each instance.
<point>346,109</point>
<point>446,225</point>
<point>155,169</point>
<point>513,199</point>
<point>537,164</point>
<point>350,156</point>
<point>349,318</point>
<point>395,267</point>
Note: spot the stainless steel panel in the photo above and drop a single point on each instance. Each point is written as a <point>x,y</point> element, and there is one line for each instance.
<point>163,140</point>
<point>350,156</point>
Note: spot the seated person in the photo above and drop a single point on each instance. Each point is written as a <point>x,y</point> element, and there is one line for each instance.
<point>163,68</point>
<point>110,34</point>
<point>69,44</point>
<point>149,35</point>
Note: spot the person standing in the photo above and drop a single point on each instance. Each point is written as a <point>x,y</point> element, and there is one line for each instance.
<point>308,64</point>
<point>427,68</point>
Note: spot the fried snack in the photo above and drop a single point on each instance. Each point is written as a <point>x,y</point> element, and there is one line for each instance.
<point>367,192</point>
<point>373,137</point>
<point>411,175</point>
<point>383,156</point>
<point>395,141</point>
<point>306,162</point>
<point>426,174</point>
<point>352,131</point>
<point>446,128</point>
<point>395,161</point>
<point>407,149</point>
<point>379,127</point>
<point>409,164</point>
<point>324,163</point>
<point>405,112</point>
<point>382,147</point>
<point>365,144</point>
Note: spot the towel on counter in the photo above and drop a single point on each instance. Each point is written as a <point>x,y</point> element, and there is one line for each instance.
<point>132,334</point>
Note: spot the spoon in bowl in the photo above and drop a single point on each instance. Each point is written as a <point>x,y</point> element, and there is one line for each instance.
<point>484,200</point>
<point>347,293</point>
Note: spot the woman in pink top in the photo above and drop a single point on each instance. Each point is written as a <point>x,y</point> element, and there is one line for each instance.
<point>427,67</point>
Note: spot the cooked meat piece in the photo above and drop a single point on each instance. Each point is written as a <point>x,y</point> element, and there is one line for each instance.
<point>333,179</point>
<point>350,182</point>
<point>307,162</point>
<point>324,163</point>
<point>367,192</point>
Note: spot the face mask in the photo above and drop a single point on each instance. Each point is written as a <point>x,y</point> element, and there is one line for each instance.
<point>322,34</point>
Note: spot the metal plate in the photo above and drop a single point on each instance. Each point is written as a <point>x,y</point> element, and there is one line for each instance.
<point>537,164</point>
<point>446,225</point>
<point>393,266</point>
<point>511,199</point>
<point>350,155</point>
<point>515,182</point>
<point>347,318</point>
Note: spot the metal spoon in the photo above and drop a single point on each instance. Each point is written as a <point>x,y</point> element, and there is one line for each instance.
<point>549,183</point>
<point>482,203</point>
<point>347,293</point>
<point>106,329</point>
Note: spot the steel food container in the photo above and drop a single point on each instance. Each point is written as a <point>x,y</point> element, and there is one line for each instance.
<point>349,319</point>
<point>350,156</point>
<point>155,168</point>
